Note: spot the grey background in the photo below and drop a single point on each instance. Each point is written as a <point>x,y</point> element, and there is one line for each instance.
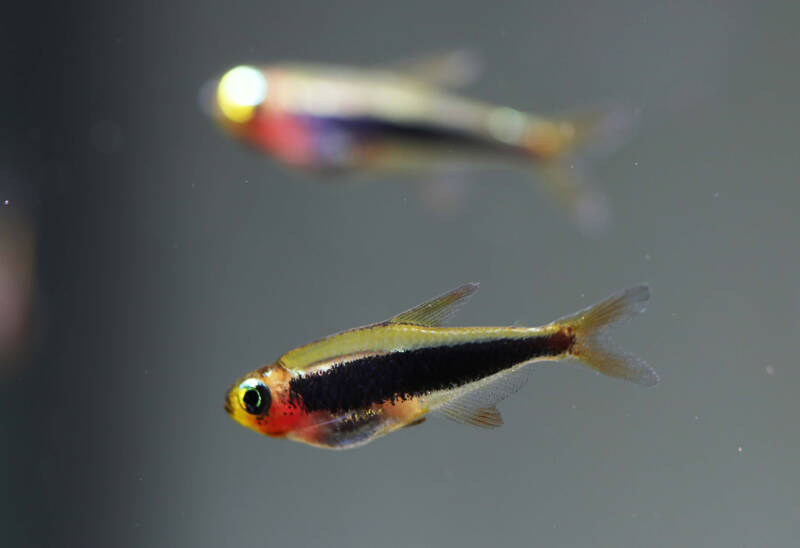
<point>171,260</point>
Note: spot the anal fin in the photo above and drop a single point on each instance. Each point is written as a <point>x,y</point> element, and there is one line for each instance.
<point>476,404</point>
<point>484,417</point>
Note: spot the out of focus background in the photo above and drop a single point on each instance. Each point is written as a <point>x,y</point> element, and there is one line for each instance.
<point>147,260</point>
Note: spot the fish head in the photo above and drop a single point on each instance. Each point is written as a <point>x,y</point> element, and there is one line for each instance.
<point>245,103</point>
<point>260,401</point>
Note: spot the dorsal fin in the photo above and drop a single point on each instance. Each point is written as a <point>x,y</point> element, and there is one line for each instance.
<point>449,69</point>
<point>438,310</point>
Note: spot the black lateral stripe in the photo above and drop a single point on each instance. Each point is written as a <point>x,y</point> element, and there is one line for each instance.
<point>402,375</point>
<point>372,129</point>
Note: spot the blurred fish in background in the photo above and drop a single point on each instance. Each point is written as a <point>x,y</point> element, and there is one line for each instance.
<point>331,119</point>
<point>17,259</point>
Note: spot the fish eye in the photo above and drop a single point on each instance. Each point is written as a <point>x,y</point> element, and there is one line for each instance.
<point>239,91</point>
<point>254,397</point>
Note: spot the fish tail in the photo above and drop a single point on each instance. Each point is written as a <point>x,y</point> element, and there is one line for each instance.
<point>592,345</point>
<point>564,147</point>
<point>592,132</point>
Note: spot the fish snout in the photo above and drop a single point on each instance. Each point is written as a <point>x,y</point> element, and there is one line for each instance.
<point>227,405</point>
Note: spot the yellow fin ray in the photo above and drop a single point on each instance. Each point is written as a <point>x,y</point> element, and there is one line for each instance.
<point>437,311</point>
<point>483,417</point>
<point>476,404</point>
<point>592,345</point>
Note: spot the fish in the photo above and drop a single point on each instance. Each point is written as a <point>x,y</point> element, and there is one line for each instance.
<point>348,389</point>
<point>365,121</point>
<point>18,288</point>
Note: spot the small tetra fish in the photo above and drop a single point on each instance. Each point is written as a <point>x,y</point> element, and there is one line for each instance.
<point>350,388</point>
<point>329,118</point>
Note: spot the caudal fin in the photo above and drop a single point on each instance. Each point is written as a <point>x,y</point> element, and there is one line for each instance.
<point>586,134</point>
<point>592,344</point>
<point>565,148</point>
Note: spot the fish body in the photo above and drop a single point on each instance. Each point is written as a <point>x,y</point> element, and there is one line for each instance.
<point>330,119</point>
<point>348,389</point>
<point>335,118</point>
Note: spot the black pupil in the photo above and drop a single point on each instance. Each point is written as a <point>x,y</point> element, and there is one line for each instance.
<point>256,399</point>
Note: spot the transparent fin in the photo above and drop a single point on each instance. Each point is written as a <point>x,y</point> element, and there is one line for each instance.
<point>483,417</point>
<point>592,344</point>
<point>452,69</point>
<point>438,310</point>
<point>343,431</point>
<point>590,133</point>
<point>566,147</point>
<point>475,404</point>
<point>583,202</point>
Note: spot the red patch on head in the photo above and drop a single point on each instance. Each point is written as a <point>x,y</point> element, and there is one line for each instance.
<point>283,135</point>
<point>282,419</point>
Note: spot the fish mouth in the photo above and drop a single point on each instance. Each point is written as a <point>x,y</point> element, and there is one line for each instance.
<point>228,407</point>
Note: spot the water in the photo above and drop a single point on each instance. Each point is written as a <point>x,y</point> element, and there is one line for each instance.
<point>170,260</point>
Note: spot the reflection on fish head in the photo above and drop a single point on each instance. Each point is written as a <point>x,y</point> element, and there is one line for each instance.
<point>257,400</point>
<point>238,94</point>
